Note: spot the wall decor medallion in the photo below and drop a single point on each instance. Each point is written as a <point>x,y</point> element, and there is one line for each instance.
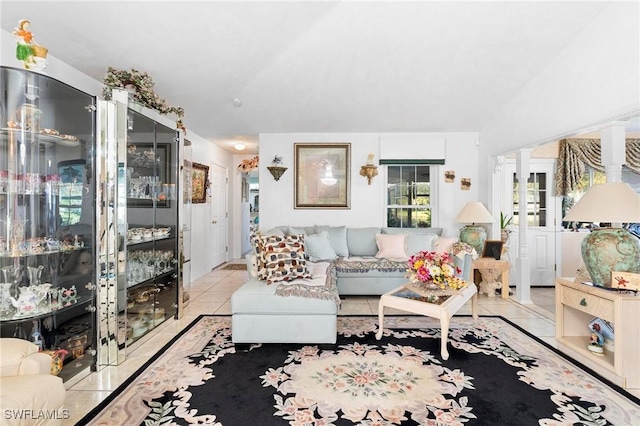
<point>199,183</point>
<point>322,175</point>
<point>450,176</point>
<point>465,184</point>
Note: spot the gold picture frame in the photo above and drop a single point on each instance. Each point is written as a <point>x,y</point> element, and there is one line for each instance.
<point>322,175</point>
<point>199,183</point>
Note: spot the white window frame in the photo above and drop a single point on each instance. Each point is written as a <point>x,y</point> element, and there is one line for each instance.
<point>434,170</point>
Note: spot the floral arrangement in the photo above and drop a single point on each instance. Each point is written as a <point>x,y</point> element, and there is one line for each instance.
<point>249,164</point>
<point>141,84</point>
<point>434,270</point>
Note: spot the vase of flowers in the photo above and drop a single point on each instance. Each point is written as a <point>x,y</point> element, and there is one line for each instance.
<point>434,271</point>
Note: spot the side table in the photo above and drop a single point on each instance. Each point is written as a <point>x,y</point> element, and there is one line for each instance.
<point>491,269</point>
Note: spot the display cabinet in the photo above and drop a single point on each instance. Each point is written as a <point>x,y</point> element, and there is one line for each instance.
<point>47,221</point>
<point>152,236</point>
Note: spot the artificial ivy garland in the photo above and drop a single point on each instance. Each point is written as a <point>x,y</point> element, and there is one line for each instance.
<point>142,86</point>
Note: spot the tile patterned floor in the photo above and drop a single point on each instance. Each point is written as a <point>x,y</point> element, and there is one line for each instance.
<point>210,295</point>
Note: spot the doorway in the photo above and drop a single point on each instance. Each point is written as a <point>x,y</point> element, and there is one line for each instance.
<point>542,213</point>
<point>219,216</point>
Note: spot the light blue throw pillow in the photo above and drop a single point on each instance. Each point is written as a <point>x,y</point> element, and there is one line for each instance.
<point>337,237</point>
<point>318,247</point>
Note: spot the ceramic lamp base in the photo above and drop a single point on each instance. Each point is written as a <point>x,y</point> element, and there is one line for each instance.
<point>610,249</point>
<point>475,236</point>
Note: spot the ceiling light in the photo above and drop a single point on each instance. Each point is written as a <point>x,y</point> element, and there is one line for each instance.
<point>237,102</point>
<point>239,146</point>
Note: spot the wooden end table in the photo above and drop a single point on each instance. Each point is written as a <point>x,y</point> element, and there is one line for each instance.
<point>491,269</point>
<point>406,299</point>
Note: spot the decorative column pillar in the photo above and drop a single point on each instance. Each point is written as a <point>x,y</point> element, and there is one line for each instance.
<point>523,268</point>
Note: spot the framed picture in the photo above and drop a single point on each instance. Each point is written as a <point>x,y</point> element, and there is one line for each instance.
<point>322,175</point>
<point>144,163</point>
<point>492,248</point>
<point>199,183</point>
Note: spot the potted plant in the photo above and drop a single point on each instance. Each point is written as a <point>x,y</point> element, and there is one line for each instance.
<point>505,222</point>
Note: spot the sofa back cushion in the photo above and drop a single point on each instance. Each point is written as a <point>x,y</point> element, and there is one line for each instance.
<point>337,237</point>
<point>362,241</point>
<point>301,230</point>
<point>437,231</point>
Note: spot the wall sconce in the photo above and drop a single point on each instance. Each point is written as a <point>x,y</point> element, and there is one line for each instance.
<point>277,169</point>
<point>369,170</point>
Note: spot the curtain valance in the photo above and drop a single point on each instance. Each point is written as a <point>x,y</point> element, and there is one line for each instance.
<point>575,154</point>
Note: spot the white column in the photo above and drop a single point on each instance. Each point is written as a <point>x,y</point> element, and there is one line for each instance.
<point>612,149</point>
<point>523,268</point>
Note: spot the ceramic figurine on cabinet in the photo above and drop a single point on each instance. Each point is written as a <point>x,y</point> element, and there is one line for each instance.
<point>32,55</point>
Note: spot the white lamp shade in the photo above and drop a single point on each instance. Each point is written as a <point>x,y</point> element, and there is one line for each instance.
<point>607,202</point>
<point>475,212</point>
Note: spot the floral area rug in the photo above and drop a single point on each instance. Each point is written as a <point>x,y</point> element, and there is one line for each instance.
<point>496,374</point>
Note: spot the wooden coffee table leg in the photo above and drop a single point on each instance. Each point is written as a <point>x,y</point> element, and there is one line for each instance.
<point>380,320</point>
<point>444,332</point>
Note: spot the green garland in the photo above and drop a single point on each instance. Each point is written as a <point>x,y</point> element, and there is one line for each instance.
<point>142,83</point>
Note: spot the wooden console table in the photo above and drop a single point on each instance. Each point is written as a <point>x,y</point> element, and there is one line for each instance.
<point>491,269</point>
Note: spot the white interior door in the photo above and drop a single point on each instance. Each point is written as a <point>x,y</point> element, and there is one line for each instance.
<point>542,211</point>
<point>219,216</point>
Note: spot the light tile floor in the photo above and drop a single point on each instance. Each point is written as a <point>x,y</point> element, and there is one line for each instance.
<point>211,294</point>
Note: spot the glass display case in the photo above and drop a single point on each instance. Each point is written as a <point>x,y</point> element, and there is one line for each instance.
<point>47,220</point>
<point>152,251</point>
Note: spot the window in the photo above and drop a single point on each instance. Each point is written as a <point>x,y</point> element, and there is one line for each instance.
<point>537,210</point>
<point>71,188</point>
<point>408,196</point>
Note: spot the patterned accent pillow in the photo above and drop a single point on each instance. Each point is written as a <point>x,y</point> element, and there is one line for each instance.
<point>257,241</point>
<point>284,258</point>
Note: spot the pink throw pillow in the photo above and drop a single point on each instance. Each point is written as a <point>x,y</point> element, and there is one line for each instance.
<point>392,246</point>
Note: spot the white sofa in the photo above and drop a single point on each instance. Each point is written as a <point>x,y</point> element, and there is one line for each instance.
<point>29,394</point>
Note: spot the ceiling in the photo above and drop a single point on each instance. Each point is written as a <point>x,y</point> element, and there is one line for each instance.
<point>302,66</point>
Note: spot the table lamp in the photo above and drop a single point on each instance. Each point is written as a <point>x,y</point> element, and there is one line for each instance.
<point>472,234</point>
<point>608,249</point>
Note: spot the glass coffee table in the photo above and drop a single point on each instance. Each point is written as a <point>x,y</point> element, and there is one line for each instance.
<point>411,298</point>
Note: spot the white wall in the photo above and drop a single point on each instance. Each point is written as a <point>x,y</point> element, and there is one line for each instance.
<point>594,80</point>
<point>367,202</point>
<point>204,151</point>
